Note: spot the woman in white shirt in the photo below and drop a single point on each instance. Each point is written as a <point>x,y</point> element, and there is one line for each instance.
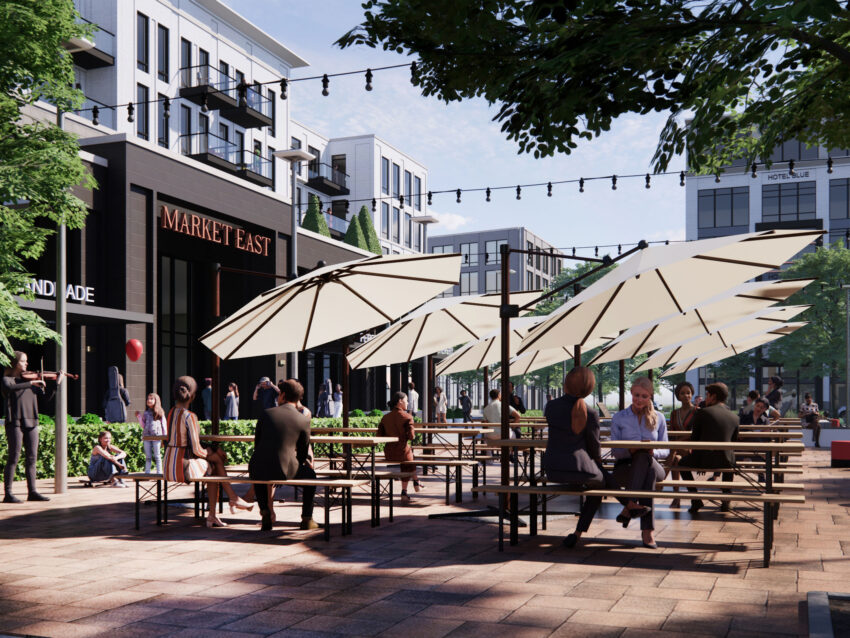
<point>441,403</point>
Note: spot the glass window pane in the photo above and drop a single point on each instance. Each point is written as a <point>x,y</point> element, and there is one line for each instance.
<point>740,206</point>
<point>705,213</point>
<point>838,198</point>
<point>723,207</point>
<point>808,152</point>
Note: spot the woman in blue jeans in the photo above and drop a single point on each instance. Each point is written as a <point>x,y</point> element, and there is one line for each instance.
<point>639,469</point>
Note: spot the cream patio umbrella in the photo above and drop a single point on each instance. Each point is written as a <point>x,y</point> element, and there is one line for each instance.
<point>535,359</point>
<point>732,305</point>
<point>661,280</point>
<point>332,302</point>
<point>439,324</point>
<point>752,326</point>
<point>734,349</point>
<point>477,354</point>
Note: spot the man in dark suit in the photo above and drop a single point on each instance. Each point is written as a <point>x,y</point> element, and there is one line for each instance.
<point>714,423</point>
<point>282,451</point>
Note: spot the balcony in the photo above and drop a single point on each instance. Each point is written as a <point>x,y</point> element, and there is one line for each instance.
<point>326,179</point>
<point>255,112</point>
<point>255,169</point>
<point>206,84</point>
<point>96,53</point>
<point>337,225</point>
<point>211,149</point>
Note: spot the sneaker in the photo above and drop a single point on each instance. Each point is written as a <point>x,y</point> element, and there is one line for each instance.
<point>117,484</point>
<point>418,487</point>
<point>35,496</point>
<point>308,523</point>
<point>11,498</point>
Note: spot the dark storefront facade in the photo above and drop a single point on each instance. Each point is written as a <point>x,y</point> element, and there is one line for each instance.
<point>147,257</point>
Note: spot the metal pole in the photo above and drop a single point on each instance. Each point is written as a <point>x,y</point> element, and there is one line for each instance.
<point>215,403</point>
<point>622,384</point>
<point>292,357</point>
<point>504,313</point>
<point>60,473</point>
<point>346,383</point>
<point>485,399</point>
<point>847,369</point>
<point>577,356</point>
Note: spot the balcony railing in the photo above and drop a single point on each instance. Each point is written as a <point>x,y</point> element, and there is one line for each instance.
<point>211,149</point>
<point>256,111</point>
<point>334,223</point>
<point>103,40</point>
<point>101,54</point>
<point>327,179</point>
<point>256,168</point>
<point>105,115</point>
<point>205,84</point>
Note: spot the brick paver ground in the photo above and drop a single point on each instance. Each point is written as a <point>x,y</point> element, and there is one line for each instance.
<point>76,567</point>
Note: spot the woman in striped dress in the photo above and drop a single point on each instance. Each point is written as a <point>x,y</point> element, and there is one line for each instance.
<point>186,459</point>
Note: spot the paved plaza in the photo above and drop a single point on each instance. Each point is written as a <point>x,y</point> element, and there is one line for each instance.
<point>76,567</point>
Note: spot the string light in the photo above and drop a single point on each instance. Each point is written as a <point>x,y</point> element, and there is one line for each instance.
<point>596,251</point>
<point>457,192</point>
<point>414,73</point>
<point>519,192</point>
<point>488,193</point>
<point>130,109</point>
<point>95,112</point>
<point>619,249</point>
<point>549,189</point>
<point>368,79</point>
<point>325,83</point>
<point>829,165</point>
<point>580,184</point>
<point>717,178</point>
<point>429,198</point>
<point>647,180</point>
<point>401,200</point>
<point>681,178</point>
<point>574,251</point>
<point>754,167</point>
<point>791,168</point>
<point>166,109</point>
<point>284,84</point>
<point>374,204</point>
<point>613,182</point>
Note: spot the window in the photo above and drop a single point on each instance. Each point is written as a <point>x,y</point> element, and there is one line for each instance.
<point>314,163</point>
<point>203,130</point>
<point>723,207</point>
<point>529,258</point>
<point>470,254</point>
<point>545,284</point>
<point>239,142</point>
<point>255,162</point>
<point>396,181</point>
<point>442,249</point>
<point>162,53</point>
<point>224,132</point>
<point>203,62</point>
<point>298,201</point>
<point>492,254</point>
<point>545,264</point>
<point>408,188</point>
<point>417,234</point>
<point>162,122</point>
<point>539,259</point>
<point>273,112</point>
<point>530,281</point>
<point>273,168</point>
<point>839,202</point>
<point>493,281</point>
<point>224,73</point>
<point>396,225</point>
<point>408,224</point>
<point>417,193</point>
<point>338,163</point>
<point>788,202</point>
<point>385,220</point>
<point>793,150</point>
<point>295,143</point>
<point>537,281</point>
<point>385,176</point>
<point>185,129</point>
<point>142,111</point>
<point>185,62</point>
<point>469,283</point>
<point>142,42</point>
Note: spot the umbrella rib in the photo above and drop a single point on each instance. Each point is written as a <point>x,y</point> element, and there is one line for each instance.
<point>738,262</point>
<point>670,358</point>
<point>378,347</point>
<point>364,300</point>
<point>667,288</point>
<point>378,261</point>
<point>418,334</point>
<point>462,325</point>
<point>535,336</point>
<point>312,314</point>
<point>699,316</point>
<point>643,343</point>
<point>407,278</point>
<point>690,364</point>
<point>722,340</point>
<point>601,314</point>
<point>260,327</point>
<point>789,235</point>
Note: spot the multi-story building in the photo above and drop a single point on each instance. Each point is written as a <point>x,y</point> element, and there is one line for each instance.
<point>188,181</point>
<point>815,195</point>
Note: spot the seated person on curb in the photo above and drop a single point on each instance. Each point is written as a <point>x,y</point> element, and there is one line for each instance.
<point>809,414</point>
<point>281,452</point>
<point>398,422</point>
<point>573,455</point>
<point>492,413</point>
<point>714,423</point>
<point>638,469</point>
<point>107,462</point>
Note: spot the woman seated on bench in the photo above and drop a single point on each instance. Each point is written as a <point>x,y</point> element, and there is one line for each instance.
<point>399,423</point>
<point>637,469</point>
<point>186,459</point>
<point>107,462</point>
<point>573,455</point>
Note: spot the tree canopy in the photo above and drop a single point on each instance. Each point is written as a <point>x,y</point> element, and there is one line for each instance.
<point>750,73</point>
<point>368,229</point>
<point>39,163</point>
<point>314,219</point>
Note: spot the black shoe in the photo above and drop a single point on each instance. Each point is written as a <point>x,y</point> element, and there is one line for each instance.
<point>724,506</point>
<point>696,506</point>
<point>11,498</point>
<point>35,496</point>
<point>637,512</point>
<point>625,520</point>
<point>651,545</point>
<point>570,541</point>
<point>266,524</point>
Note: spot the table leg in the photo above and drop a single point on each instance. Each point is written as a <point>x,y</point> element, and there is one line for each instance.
<point>392,490</point>
<point>165,503</point>
<point>514,519</point>
<point>376,492</point>
<point>137,504</point>
<point>459,484</point>
<point>158,502</point>
<point>327,513</point>
<point>448,482</point>
<point>502,498</point>
<point>348,518</point>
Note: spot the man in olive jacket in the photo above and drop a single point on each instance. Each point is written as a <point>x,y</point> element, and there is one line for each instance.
<point>713,423</point>
<point>282,451</point>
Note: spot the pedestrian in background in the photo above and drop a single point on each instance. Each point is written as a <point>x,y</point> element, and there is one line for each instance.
<point>206,398</point>
<point>117,398</point>
<point>466,406</point>
<point>231,402</point>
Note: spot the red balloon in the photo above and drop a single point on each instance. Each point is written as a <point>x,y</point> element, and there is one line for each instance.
<point>133,349</point>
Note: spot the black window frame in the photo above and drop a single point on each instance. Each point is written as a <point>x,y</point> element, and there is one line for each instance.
<point>710,197</point>
<point>185,62</point>
<point>142,120</point>
<point>841,185</point>
<point>142,42</point>
<point>408,230</point>
<point>273,113</point>
<point>396,225</point>
<point>408,188</point>
<point>385,220</point>
<point>469,252</point>
<point>385,176</point>
<point>785,192</point>
<point>417,195</point>
<point>163,50</point>
<point>396,180</point>
<point>162,133</point>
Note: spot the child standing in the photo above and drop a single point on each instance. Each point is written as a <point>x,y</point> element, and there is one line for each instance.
<point>153,423</point>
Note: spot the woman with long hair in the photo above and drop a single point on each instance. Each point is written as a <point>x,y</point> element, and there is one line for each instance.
<point>107,462</point>
<point>153,423</point>
<point>573,455</point>
<point>231,402</point>
<point>186,459</point>
<point>680,420</point>
<point>399,423</point>
<point>637,469</point>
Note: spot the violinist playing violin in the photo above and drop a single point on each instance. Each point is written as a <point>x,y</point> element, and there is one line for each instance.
<point>21,390</point>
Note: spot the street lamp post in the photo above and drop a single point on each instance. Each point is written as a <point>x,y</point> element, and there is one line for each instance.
<point>293,156</point>
<point>60,470</point>
<point>846,288</point>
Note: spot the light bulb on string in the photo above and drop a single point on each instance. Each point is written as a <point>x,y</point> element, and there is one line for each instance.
<point>791,168</point>
<point>429,198</point>
<point>647,180</point>
<point>414,73</point>
<point>549,189</point>
<point>488,193</point>
<point>574,251</point>
<point>368,79</point>
<point>580,184</point>
<point>284,84</point>
<point>717,178</point>
<point>457,192</point>
<point>325,83</point>
<point>829,165</point>
<point>596,251</point>
<point>519,192</point>
<point>619,249</point>
<point>95,112</point>
<point>681,178</point>
<point>374,204</point>
<point>401,201</point>
<point>613,182</point>
<point>753,168</point>
<point>166,108</point>
<point>130,110</point>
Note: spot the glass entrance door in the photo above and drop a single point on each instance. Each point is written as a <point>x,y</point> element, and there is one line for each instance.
<point>175,322</point>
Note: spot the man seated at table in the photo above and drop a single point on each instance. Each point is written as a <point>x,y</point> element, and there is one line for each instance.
<point>281,452</point>
<point>493,414</point>
<point>717,424</point>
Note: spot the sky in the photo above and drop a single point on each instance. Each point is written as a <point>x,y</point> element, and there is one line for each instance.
<point>463,148</point>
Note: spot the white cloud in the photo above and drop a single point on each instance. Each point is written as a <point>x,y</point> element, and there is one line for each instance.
<point>449,221</point>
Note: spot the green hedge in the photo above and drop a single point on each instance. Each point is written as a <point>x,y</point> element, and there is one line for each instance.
<point>128,437</point>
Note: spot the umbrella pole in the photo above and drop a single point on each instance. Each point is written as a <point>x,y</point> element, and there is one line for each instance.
<point>216,371</point>
<point>505,315</point>
<point>577,357</point>
<point>486,395</point>
<point>622,384</point>
<point>346,383</point>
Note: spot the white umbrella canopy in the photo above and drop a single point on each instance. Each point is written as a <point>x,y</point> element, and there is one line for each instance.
<point>536,359</point>
<point>732,305</point>
<point>332,302</point>
<point>439,324</point>
<point>477,354</point>
<point>735,349</point>
<point>661,280</point>
<point>764,321</point>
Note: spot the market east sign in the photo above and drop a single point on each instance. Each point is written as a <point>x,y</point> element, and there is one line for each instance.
<point>214,231</point>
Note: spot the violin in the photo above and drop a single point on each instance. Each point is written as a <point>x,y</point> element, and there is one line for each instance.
<point>43,375</point>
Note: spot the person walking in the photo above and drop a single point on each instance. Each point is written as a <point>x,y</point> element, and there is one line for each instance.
<point>441,404</point>
<point>117,398</point>
<point>153,423</point>
<point>322,403</point>
<point>231,402</point>
<point>21,423</point>
<point>398,423</point>
<point>412,399</point>
<point>466,406</point>
<point>337,397</point>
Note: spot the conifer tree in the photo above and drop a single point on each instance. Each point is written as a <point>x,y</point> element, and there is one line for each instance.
<point>314,219</point>
<point>368,229</point>
<point>354,236</point>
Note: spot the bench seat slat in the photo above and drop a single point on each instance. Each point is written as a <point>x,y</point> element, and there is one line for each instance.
<point>637,494</point>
